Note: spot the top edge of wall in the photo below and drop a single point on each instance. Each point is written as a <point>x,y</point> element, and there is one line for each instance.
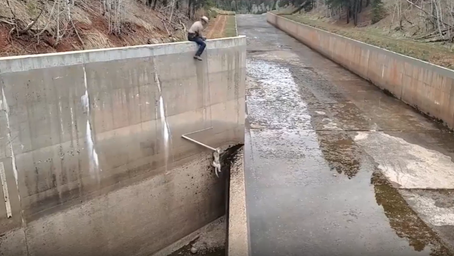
<point>40,61</point>
<point>445,71</point>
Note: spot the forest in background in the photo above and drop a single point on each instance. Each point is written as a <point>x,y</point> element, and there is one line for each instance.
<point>426,19</point>
<point>423,29</point>
<point>37,26</point>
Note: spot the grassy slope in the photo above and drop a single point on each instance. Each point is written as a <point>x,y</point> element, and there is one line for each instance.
<point>230,27</point>
<point>433,53</point>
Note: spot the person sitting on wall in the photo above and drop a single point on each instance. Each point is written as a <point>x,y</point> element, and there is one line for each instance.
<point>195,35</point>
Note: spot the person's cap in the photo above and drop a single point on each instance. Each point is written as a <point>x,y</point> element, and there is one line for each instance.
<point>205,18</point>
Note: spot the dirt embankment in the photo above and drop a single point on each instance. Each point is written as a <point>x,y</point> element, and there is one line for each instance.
<point>83,24</point>
<point>216,27</point>
<point>222,26</point>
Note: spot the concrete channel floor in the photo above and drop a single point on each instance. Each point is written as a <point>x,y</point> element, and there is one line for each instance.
<point>333,165</point>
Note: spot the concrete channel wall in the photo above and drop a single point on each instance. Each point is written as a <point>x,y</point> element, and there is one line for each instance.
<point>238,242</point>
<point>91,156</point>
<point>420,84</point>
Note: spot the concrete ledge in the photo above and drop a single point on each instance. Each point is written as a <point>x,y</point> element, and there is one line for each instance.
<point>425,86</point>
<point>238,228</point>
<point>41,61</point>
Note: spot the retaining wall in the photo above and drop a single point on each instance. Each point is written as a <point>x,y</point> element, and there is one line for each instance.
<point>422,85</point>
<point>238,242</point>
<point>88,164</point>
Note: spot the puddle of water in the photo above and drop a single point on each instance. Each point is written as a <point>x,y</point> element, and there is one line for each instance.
<point>344,155</point>
<point>292,195</point>
<point>404,220</point>
<point>341,152</point>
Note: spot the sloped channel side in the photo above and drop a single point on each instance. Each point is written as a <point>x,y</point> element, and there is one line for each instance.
<point>425,86</point>
<point>91,156</point>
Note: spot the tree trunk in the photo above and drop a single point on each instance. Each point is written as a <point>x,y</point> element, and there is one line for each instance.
<point>300,7</point>
<point>355,12</point>
<point>348,14</point>
<point>274,5</point>
<point>171,12</point>
<point>189,8</point>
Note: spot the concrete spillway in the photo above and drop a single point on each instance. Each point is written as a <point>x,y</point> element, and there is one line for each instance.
<point>333,165</point>
<point>92,161</point>
<point>115,152</point>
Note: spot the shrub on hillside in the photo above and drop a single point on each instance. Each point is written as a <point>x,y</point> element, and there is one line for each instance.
<point>212,14</point>
<point>378,11</point>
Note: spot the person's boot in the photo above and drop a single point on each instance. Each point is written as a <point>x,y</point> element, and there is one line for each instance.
<point>198,58</point>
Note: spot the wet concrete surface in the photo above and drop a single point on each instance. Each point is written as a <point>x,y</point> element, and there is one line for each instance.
<point>333,165</point>
<point>209,241</point>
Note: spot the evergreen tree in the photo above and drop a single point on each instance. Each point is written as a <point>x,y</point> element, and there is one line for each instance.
<point>378,11</point>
